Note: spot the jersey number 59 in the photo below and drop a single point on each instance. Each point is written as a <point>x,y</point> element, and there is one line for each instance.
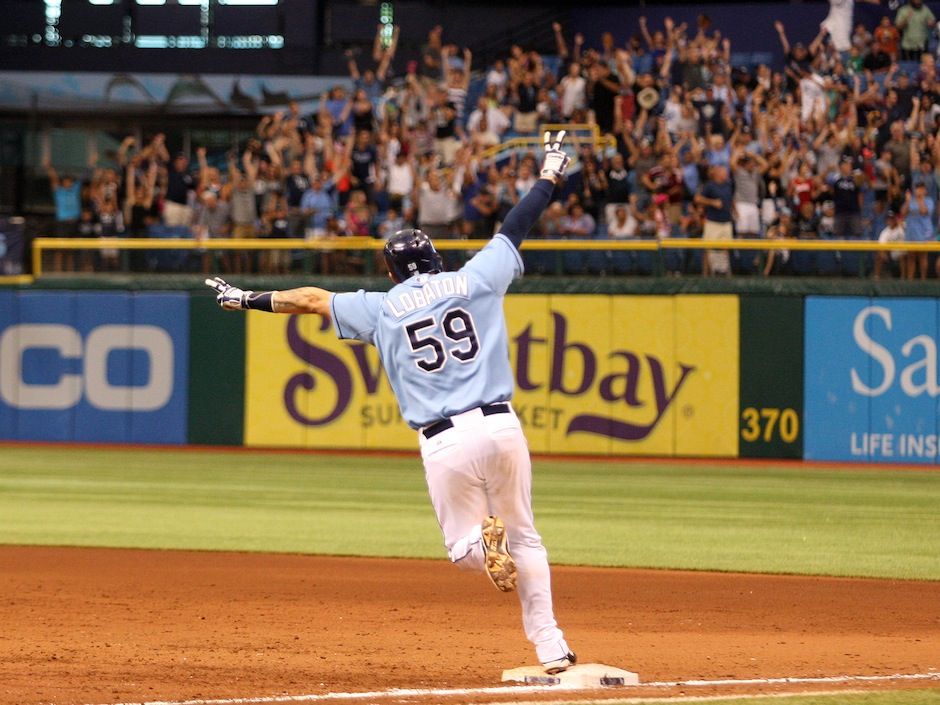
<point>457,326</point>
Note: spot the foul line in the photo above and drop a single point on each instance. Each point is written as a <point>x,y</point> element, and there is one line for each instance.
<point>517,689</point>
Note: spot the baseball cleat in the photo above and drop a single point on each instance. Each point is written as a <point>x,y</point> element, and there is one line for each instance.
<point>560,664</point>
<point>500,567</point>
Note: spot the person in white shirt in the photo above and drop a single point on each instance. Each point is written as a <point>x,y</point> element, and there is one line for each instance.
<point>893,232</point>
<point>496,119</point>
<point>573,91</point>
<point>401,182</point>
<point>497,77</point>
<point>624,223</point>
<point>839,22</point>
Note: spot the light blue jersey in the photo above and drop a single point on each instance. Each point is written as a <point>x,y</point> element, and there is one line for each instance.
<point>441,337</point>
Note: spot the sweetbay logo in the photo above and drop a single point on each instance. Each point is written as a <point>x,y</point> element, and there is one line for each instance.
<point>640,383</point>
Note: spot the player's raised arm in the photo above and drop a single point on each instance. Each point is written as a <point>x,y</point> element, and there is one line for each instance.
<point>527,211</point>
<point>305,299</point>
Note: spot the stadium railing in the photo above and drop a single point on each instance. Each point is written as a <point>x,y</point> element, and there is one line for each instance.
<point>579,134</point>
<point>658,251</point>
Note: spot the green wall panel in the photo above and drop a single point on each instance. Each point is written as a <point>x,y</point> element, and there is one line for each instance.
<point>216,373</point>
<point>771,409</point>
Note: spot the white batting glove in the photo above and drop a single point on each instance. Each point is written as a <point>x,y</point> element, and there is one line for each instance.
<point>555,160</point>
<point>229,297</point>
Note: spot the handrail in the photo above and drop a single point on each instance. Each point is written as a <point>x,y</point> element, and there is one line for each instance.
<point>42,244</point>
<point>596,138</point>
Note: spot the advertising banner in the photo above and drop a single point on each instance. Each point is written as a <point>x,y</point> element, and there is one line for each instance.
<point>94,366</point>
<point>871,379</point>
<point>594,374</point>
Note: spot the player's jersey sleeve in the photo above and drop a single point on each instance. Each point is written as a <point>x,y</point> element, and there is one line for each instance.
<point>355,314</point>
<point>497,264</point>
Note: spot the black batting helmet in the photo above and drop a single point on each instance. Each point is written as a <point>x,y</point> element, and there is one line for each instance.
<point>409,252</point>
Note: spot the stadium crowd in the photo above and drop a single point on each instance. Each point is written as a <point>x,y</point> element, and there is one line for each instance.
<point>840,143</point>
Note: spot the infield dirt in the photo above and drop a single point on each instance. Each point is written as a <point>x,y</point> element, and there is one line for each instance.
<point>106,625</point>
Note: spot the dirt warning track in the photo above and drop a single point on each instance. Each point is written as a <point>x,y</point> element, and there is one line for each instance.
<point>101,625</point>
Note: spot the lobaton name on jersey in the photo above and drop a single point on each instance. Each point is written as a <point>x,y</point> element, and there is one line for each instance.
<point>456,285</point>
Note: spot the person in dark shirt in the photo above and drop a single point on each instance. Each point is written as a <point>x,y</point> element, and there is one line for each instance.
<point>711,112</point>
<point>907,93</point>
<point>799,59</point>
<point>618,186</point>
<point>847,197</point>
<point>807,222</point>
<point>364,157</point>
<point>525,97</point>
<point>603,89</point>
<point>180,185</point>
<point>716,196</point>
<point>444,119</point>
<point>297,182</point>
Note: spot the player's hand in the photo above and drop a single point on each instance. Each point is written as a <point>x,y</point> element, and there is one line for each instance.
<point>229,297</point>
<point>555,160</point>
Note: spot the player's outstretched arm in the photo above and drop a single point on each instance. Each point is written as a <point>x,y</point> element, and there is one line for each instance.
<point>526,212</point>
<point>305,299</point>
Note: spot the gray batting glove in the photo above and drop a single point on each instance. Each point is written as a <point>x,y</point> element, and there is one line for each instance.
<point>555,160</point>
<point>229,297</point>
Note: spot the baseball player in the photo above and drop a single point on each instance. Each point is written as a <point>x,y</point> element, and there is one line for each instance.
<point>442,340</point>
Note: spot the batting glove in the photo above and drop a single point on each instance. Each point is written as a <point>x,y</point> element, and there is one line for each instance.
<point>555,161</point>
<point>229,297</point>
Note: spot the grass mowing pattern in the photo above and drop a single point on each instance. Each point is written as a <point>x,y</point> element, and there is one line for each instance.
<point>767,518</point>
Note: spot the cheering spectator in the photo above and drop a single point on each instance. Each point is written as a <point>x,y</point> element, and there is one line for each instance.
<point>66,193</point>
<point>179,194</point>
<point>577,223</point>
<point>847,199</point>
<point>436,204</point>
<point>275,223</point>
<point>893,232</point>
<point>211,221</point>
<point>623,224</point>
<point>244,207</point>
<point>716,197</point>
<point>748,171</point>
<point>839,22</point>
<point>918,213</point>
<point>914,20</point>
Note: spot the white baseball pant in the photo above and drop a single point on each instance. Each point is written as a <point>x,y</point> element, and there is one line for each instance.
<point>481,467</point>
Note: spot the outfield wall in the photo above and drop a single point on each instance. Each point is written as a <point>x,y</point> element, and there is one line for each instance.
<point>724,375</point>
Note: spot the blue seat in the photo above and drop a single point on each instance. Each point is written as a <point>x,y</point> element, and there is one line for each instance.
<point>803,262</point>
<point>645,262</point>
<point>538,261</point>
<point>597,261</point>
<point>574,262</point>
<point>622,262</point>
<point>673,260</point>
<point>827,263</point>
<point>742,261</point>
<point>853,264</point>
<point>693,261</point>
<point>167,260</point>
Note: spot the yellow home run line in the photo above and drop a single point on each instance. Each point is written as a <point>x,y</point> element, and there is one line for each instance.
<point>515,689</point>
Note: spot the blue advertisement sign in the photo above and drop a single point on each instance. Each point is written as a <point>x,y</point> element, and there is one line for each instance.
<point>94,367</point>
<point>871,379</point>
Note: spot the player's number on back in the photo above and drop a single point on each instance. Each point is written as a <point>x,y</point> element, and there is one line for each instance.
<point>424,336</point>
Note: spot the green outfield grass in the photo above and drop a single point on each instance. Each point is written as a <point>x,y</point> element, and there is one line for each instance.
<point>895,697</point>
<point>700,516</point>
